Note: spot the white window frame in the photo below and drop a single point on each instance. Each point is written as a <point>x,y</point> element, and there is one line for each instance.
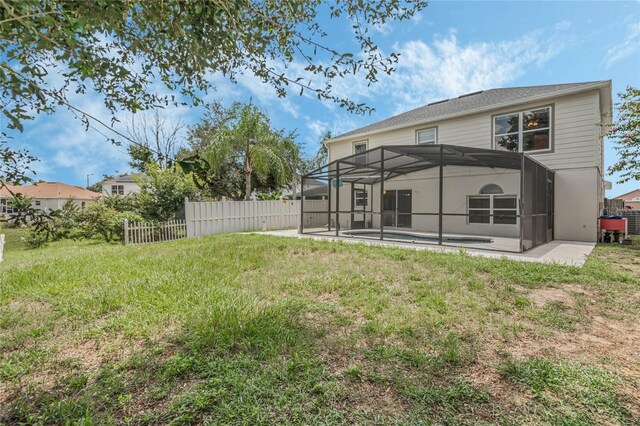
<point>115,189</point>
<point>360,195</point>
<point>435,136</point>
<point>521,130</point>
<point>491,208</point>
<point>364,142</point>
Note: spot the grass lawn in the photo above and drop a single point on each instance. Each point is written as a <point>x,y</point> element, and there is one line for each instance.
<point>250,329</point>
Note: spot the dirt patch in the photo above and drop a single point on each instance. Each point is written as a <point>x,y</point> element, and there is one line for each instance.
<point>543,296</point>
<point>601,338</point>
<point>370,398</point>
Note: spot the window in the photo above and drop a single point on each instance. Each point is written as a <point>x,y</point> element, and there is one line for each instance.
<point>359,147</point>
<point>82,204</point>
<point>480,209</point>
<point>426,136</point>
<point>523,131</point>
<point>37,202</point>
<point>492,207</point>
<point>117,189</point>
<point>5,206</point>
<point>360,196</point>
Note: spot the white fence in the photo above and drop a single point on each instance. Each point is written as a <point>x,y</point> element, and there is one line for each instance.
<point>207,218</point>
<point>147,232</point>
<point>1,247</point>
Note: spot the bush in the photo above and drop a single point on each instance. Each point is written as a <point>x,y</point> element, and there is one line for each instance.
<point>35,239</point>
<point>121,203</point>
<point>101,220</point>
<point>162,193</point>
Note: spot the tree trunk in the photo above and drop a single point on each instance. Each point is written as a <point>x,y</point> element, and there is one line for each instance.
<point>247,186</point>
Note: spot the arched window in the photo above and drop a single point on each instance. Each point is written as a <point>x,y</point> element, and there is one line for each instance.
<point>491,188</point>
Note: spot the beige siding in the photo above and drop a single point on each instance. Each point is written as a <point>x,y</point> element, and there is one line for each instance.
<point>576,141</point>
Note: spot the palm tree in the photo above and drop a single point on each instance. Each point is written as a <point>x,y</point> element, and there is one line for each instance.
<point>243,132</point>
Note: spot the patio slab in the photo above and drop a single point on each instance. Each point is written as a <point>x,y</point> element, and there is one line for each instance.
<point>570,253</point>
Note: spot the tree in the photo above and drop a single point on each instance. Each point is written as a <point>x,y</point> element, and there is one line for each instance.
<point>242,133</point>
<point>122,49</point>
<point>625,133</point>
<point>162,192</point>
<point>320,158</point>
<point>153,139</point>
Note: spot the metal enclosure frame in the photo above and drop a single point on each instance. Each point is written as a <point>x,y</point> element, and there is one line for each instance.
<point>534,211</point>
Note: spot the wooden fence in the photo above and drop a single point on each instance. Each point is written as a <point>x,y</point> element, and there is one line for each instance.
<point>208,218</point>
<point>148,232</point>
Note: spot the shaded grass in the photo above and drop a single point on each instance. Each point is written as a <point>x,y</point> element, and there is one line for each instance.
<point>252,329</point>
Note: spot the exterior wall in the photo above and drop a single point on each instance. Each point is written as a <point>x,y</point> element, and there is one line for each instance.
<point>56,203</point>
<point>459,183</point>
<point>129,188</point>
<point>576,154</point>
<point>576,205</point>
<point>575,136</point>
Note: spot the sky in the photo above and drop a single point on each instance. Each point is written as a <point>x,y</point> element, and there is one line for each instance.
<point>449,49</point>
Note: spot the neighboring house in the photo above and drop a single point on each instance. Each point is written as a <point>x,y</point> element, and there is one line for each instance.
<point>46,196</point>
<point>314,189</point>
<point>555,125</point>
<point>121,185</point>
<point>631,199</point>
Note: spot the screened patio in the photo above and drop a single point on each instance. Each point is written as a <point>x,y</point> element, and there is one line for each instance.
<point>435,194</point>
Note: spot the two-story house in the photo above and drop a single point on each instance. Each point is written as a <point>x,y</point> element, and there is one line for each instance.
<point>121,185</point>
<point>504,163</point>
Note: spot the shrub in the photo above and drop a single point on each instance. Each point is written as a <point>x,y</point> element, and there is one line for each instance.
<point>121,203</point>
<point>162,193</point>
<point>101,220</point>
<point>35,238</point>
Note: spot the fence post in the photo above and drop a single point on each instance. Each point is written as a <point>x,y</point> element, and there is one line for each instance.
<point>126,231</point>
<point>188,217</point>
<point>1,247</point>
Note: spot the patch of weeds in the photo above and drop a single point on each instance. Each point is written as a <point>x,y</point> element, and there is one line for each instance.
<point>571,392</point>
<point>402,356</point>
<point>556,314</point>
<point>20,363</point>
<point>353,372</point>
<point>449,398</point>
<point>521,302</point>
<point>52,410</point>
<point>244,391</point>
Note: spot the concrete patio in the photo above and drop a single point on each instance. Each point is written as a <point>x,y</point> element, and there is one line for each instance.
<point>570,253</point>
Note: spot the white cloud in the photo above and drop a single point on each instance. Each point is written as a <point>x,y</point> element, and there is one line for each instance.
<point>448,68</point>
<point>629,47</point>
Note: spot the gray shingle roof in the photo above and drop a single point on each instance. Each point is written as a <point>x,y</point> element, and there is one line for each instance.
<point>468,102</point>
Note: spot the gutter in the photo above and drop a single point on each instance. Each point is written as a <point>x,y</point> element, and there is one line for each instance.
<point>586,88</point>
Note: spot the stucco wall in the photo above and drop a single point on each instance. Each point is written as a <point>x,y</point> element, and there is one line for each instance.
<point>129,188</point>
<point>577,204</point>
<point>459,183</point>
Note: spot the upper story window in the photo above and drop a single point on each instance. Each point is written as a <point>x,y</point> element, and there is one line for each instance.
<point>359,147</point>
<point>523,131</point>
<point>426,136</point>
<point>117,189</point>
